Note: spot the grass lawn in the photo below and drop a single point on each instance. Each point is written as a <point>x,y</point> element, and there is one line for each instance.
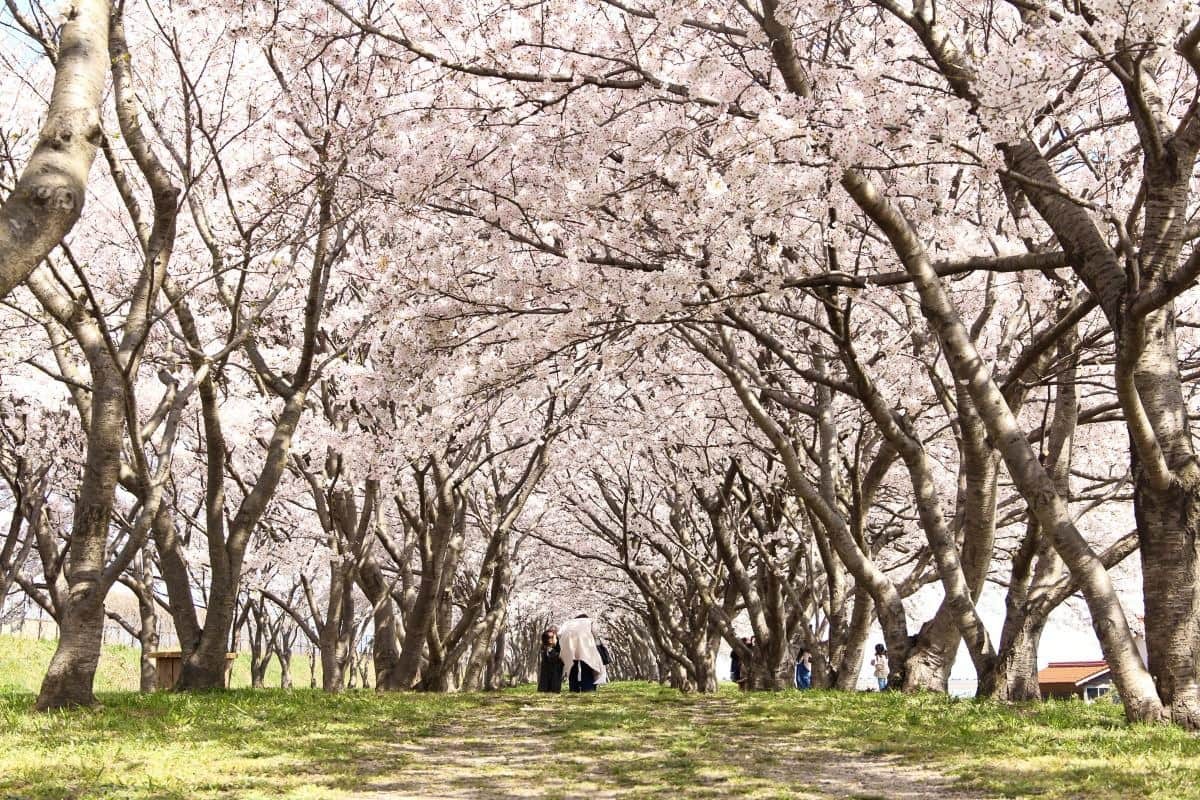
<point>23,661</point>
<point>628,740</point>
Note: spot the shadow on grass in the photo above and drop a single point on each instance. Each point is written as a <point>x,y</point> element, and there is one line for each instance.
<point>630,740</point>
<point>204,744</point>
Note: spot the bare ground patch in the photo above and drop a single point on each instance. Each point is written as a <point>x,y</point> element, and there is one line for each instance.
<point>548,747</point>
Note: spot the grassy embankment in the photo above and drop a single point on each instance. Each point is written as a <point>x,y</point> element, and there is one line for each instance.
<point>23,660</point>
<point>629,740</point>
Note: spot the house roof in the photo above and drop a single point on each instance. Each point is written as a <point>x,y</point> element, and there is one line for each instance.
<point>1074,672</point>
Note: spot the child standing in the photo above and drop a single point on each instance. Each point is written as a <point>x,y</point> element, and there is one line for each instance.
<point>804,670</point>
<point>880,663</point>
<point>550,668</point>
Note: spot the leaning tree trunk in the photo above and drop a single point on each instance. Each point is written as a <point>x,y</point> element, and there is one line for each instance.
<point>48,198</point>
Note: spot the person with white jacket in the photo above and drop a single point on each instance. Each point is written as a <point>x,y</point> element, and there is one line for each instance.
<point>580,654</point>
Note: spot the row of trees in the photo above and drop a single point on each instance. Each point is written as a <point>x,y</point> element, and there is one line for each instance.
<point>722,316</point>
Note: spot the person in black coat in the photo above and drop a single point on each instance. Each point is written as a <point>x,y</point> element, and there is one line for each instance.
<point>550,668</point>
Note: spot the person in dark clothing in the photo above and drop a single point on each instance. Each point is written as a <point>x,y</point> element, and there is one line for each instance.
<point>582,678</point>
<point>804,670</point>
<point>738,671</point>
<point>550,670</point>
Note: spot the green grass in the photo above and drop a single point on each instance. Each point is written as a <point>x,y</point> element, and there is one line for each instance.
<point>629,740</point>
<point>23,661</point>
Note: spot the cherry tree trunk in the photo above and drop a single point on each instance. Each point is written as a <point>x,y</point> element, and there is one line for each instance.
<point>48,198</point>
<point>385,649</point>
<point>848,669</point>
<point>705,673</point>
<point>932,656</point>
<point>494,677</point>
<point>258,668</point>
<point>204,667</point>
<point>148,639</point>
<point>69,679</point>
<point>1168,522</point>
<point>769,669</point>
<point>416,629</point>
<point>1014,675</point>
<point>284,654</point>
<point>337,634</point>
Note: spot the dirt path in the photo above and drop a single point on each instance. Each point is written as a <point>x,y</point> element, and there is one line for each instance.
<point>543,748</point>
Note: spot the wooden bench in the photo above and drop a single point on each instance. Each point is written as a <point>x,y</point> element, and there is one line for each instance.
<point>169,663</point>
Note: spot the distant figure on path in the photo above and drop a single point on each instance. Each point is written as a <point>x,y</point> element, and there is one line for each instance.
<point>550,669</point>
<point>880,663</point>
<point>804,670</point>
<point>743,670</point>
<point>735,667</point>
<point>579,654</point>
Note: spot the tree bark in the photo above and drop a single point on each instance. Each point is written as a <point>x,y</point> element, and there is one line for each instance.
<point>72,662</point>
<point>385,649</point>
<point>72,672</point>
<point>48,199</point>
<point>1168,523</point>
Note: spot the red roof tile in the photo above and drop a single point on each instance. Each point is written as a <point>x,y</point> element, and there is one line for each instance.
<point>1075,672</point>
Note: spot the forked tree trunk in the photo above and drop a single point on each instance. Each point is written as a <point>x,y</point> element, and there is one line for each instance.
<point>204,667</point>
<point>284,654</point>
<point>258,668</point>
<point>385,649</point>
<point>1015,675</point>
<point>932,656</point>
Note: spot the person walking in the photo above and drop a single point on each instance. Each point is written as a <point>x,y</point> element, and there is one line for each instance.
<point>804,670</point>
<point>550,668</point>
<point>880,663</point>
<point>580,656</point>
